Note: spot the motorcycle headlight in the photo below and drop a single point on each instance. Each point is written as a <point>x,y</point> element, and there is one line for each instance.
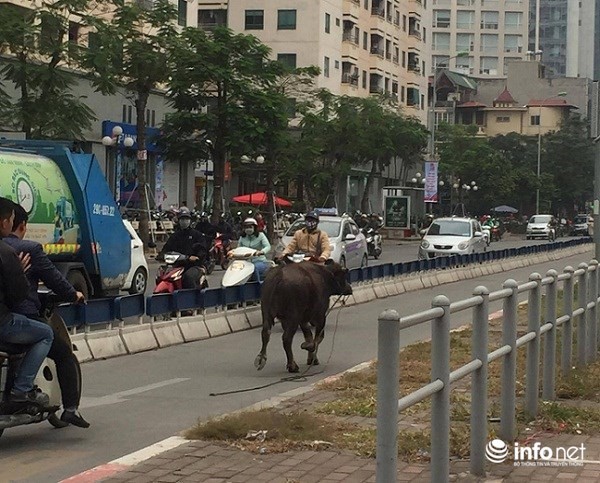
<point>463,245</point>
<point>170,259</point>
<point>424,244</point>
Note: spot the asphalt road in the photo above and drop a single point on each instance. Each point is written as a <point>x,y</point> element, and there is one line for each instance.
<point>137,400</point>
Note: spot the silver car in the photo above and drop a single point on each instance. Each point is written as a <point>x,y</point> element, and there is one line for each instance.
<point>348,244</point>
<point>452,236</point>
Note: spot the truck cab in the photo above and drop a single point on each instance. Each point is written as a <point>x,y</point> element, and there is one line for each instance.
<point>72,212</point>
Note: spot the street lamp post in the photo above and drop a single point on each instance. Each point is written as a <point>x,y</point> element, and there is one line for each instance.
<point>112,145</point>
<point>539,152</point>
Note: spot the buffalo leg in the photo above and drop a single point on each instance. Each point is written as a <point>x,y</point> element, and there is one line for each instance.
<point>309,343</point>
<point>312,356</point>
<point>261,358</point>
<point>288,337</point>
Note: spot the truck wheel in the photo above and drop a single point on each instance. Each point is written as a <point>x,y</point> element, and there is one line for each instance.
<point>76,279</point>
<point>139,282</point>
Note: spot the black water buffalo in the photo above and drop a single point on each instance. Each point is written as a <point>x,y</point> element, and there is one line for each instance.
<point>298,296</point>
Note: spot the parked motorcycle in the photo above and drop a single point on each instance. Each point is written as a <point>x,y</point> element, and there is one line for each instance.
<point>170,275</point>
<point>18,414</point>
<point>496,233</point>
<point>374,242</point>
<point>487,234</point>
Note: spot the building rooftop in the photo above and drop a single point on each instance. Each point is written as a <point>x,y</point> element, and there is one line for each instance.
<point>471,104</point>
<point>505,97</point>
<point>551,103</point>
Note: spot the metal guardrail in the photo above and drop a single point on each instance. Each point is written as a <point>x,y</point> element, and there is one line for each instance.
<point>391,324</point>
<point>108,310</point>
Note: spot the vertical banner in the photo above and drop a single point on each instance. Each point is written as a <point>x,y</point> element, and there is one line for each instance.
<point>431,182</point>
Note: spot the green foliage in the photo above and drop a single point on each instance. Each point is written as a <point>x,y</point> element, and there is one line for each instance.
<point>225,88</point>
<point>38,48</point>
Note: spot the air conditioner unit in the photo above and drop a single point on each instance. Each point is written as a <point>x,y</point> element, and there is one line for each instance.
<point>454,96</point>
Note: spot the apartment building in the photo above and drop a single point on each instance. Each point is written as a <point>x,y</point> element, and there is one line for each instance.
<point>362,47</point>
<point>566,36</point>
<point>493,32</point>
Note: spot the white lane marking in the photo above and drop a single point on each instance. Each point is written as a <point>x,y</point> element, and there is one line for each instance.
<point>118,397</point>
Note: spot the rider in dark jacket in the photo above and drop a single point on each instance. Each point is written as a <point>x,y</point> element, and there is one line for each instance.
<point>193,244</point>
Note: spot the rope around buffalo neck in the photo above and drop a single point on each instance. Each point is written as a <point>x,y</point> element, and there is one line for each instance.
<point>303,376</point>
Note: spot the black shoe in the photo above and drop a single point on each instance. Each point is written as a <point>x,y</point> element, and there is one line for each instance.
<point>34,396</point>
<point>74,418</point>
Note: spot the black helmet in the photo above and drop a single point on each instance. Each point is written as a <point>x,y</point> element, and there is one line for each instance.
<point>312,214</point>
<point>184,213</point>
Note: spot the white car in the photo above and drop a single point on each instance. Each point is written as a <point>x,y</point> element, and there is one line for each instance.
<point>452,236</point>
<point>137,278</point>
<point>348,244</point>
<point>541,226</point>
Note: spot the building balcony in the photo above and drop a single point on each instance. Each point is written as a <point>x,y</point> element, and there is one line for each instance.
<point>351,36</point>
<point>414,33</point>
<point>378,51</point>
<point>350,78</point>
<point>378,11</point>
<point>375,89</point>
<point>414,68</point>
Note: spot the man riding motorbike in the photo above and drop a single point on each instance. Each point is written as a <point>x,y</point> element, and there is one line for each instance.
<point>310,240</point>
<point>42,269</point>
<point>17,329</point>
<point>257,240</point>
<point>193,244</point>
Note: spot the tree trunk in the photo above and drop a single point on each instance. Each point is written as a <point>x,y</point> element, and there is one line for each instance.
<point>220,154</point>
<point>364,203</point>
<point>142,162</point>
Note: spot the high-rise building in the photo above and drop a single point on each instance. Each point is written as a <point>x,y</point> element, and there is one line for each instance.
<point>492,32</point>
<point>362,47</point>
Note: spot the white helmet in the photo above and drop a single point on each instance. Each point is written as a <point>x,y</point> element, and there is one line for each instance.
<point>250,221</point>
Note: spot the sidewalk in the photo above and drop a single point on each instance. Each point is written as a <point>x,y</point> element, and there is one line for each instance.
<point>204,461</point>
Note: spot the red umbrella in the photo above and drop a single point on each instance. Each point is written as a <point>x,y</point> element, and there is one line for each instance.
<point>260,199</point>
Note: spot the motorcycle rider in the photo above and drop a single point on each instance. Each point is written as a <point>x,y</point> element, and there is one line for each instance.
<point>16,328</point>
<point>205,227</point>
<point>42,269</point>
<point>192,243</point>
<point>226,231</point>
<point>310,240</point>
<point>257,240</point>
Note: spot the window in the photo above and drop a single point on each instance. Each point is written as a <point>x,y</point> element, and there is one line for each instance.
<point>489,43</point>
<point>502,119</point>
<point>464,19</point>
<point>255,20</point>
<point>441,41</point>
<point>535,120</point>
<point>153,120</point>
<point>489,20</point>
<point>464,42</point>
<point>365,40</point>
<point>51,35</point>
<point>465,64</point>
<point>286,19</point>
<point>489,65</point>
<point>289,60</point>
<point>513,43</point>
<point>364,79</point>
<point>129,114</point>
<point>401,93</point>
<point>124,117</point>
<point>326,66</point>
<point>337,64</point>
<point>440,61</point>
<point>441,18</point>
<point>404,23</point>
<point>337,22</point>
<point>327,23</point>
<point>513,20</point>
<point>182,12</point>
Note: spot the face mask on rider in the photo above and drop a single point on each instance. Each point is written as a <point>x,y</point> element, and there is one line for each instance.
<point>311,225</point>
<point>249,230</point>
<point>184,223</point>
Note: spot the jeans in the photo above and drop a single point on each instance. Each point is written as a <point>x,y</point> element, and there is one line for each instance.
<point>23,331</point>
<point>259,270</point>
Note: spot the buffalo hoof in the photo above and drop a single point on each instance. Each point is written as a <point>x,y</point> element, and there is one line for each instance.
<point>309,346</point>
<point>312,361</point>
<point>260,361</point>
<point>293,367</point>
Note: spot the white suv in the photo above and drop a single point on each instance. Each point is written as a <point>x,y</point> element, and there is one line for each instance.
<point>541,226</point>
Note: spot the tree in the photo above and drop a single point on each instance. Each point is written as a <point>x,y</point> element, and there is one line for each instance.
<point>224,88</point>
<point>38,49</point>
<point>129,50</point>
<point>568,160</point>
